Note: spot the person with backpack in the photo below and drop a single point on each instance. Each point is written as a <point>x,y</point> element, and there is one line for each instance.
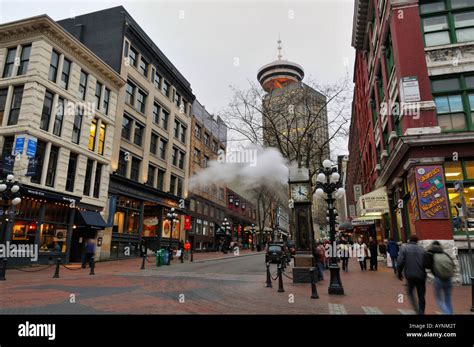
<point>413,261</point>
<point>442,267</point>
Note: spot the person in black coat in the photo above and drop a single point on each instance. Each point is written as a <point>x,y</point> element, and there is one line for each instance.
<point>373,254</point>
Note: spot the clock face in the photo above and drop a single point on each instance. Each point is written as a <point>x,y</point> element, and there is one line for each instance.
<point>300,192</point>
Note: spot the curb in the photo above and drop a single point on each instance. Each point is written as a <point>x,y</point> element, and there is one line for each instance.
<point>222,258</point>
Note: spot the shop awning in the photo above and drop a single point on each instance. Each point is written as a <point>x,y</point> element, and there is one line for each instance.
<point>373,205</point>
<point>90,219</point>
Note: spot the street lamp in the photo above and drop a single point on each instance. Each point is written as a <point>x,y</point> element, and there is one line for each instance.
<point>253,236</point>
<point>329,187</point>
<point>172,217</point>
<point>9,193</point>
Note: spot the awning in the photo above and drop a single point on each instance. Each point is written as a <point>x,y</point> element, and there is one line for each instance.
<point>90,219</point>
<point>373,204</point>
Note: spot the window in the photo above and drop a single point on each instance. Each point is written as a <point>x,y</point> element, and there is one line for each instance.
<point>151,175</point>
<point>76,129</point>
<point>65,74</point>
<point>175,156</point>
<point>389,58</point>
<point>40,151</point>
<point>132,56</point>
<point>162,153</point>
<point>102,132</point>
<point>156,80</point>
<point>197,156</point>
<point>454,98</point>
<point>87,180</point>
<point>58,119</point>
<point>97,179</point>
<point>129,93</point>
<point>161,179</point>
<point>126,127</point>
<point>164,119</point>
<point>183,133</point>
<point>166,88</point>
<point>447,21</point>
<point>173,184</point>
<point>122,164</point>
<point>24,60</point>
<point>52,164</point>
<point>71,172</point>
<point>135,172</point>
<point>153,143</point>
<point>205,162</point>
<point>3,102</point>
<point>143,67</point>
<point>138,134</point>
<point>106,100</point>
<point>453,171</point>
<point>9,63</point>
<point>141,98</point>
<point>82,85</point>
<point>53,67</point>
<point>16,105</point>
<point>176,129</point>
<point>98,95</point>
<point>47,109</point>
<point>221,194</point>
<point>92,134</point>
<point>182,156</point>
<point>180,187</point>
<point>469,164</point>
<point>206,139</point>
<point>177,99</point>
<point>156,113</point>
<point>197,131</point>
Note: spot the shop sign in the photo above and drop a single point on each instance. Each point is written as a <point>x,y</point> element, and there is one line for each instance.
<point>187,223</point>
<point>31,148</point>
<point>32,165</point>
<point>19,144</point>
<point>410,89</point>
<point>431,190</point>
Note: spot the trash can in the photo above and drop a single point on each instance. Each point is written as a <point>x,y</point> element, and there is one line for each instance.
<point>164,257</point>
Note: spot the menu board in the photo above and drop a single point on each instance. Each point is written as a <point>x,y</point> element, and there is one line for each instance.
<point>432,196</point>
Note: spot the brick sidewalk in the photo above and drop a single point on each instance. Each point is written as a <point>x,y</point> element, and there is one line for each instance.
<point>121,287</point>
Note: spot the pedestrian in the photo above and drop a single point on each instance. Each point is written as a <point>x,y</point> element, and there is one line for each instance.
<point>442,267</point>
<point>373,254</point>
<point>89,252</point>
<point>361,251</point>
<point>412,261</point>
<point>345,255</point>
<point>320,256</point>
<point>187,247</point>
<point>392,250</point>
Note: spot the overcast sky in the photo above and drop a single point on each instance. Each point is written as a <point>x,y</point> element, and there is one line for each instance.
<point>220,43</point>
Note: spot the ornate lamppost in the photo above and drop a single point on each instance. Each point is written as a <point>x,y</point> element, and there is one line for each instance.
<point>172,217</point>
<point>252,228</point>
<point>9,194</point>
<point>329,188</point>
<point>226,226</point>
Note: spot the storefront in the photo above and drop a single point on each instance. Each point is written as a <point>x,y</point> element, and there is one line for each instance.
<point>374,207</point>
<point>44,219</point>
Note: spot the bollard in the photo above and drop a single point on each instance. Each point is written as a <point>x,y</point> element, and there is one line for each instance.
<point>269,278</point>
<point>92,266</point>
<point>314,292</point>
<point>280,279</point>
<point>472,293</point>
<point>192,256</point>
<point>3,269</point>
<point>182,256</point>
<point>143,262</point>
<point>56,272</point>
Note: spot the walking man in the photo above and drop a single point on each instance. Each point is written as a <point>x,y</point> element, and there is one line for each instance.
<point>442,267</point>
<point>392,250</point>
<point>89,252</point>
<point>373,254</point>
<point>413,261</point>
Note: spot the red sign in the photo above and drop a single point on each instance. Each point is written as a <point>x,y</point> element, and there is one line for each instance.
<point>187,223</point>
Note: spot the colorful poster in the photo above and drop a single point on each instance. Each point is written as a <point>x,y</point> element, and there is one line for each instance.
<point>432,194</point>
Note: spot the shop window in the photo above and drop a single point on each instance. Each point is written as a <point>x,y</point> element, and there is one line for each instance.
<point>453,171</point>
<point>24,233</point>
<point>53,238</point>
<point>469,165</point>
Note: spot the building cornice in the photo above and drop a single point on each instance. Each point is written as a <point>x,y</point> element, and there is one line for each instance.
<point>43,25</point>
